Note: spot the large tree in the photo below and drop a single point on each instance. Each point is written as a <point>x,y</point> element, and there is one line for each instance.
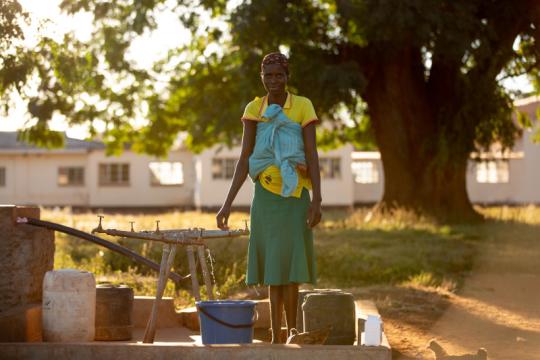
<point>428,71</point>
<point>420,77</point>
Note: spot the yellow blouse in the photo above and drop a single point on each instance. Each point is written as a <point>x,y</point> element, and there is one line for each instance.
<point>297,108</point>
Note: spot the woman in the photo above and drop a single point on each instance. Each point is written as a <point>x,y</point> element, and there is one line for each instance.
<point>280,251</point>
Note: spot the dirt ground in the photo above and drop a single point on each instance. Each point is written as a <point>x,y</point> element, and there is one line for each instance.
<point>498,308</point>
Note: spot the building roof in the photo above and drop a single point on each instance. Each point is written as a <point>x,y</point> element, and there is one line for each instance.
<point>9,143</point>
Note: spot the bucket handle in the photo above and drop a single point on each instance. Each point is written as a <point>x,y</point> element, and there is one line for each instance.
<point>235,326</point>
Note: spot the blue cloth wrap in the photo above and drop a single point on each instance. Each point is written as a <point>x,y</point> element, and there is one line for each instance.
<point>279,142</point>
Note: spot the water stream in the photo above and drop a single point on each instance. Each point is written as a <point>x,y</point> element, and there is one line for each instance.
<point>211,261</point>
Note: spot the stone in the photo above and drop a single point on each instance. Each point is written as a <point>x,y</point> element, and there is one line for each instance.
<point>27,254</point>
<point>166,316</point>
<point>189,318</point>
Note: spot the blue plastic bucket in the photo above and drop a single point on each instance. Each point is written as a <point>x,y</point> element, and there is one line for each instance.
<point>226,321</point>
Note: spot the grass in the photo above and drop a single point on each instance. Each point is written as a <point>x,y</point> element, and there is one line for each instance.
<point>402,250</point>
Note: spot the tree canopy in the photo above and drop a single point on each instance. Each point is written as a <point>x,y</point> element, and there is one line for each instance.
<point>419,79</point>
<point>334,48</point>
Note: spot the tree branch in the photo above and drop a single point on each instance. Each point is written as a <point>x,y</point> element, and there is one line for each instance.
<point>499,50</point>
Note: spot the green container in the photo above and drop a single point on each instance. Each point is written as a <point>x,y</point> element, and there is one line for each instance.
<point>333,309</point>
<point>301,297</point>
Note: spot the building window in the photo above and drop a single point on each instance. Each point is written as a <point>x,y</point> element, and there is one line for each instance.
<point>493,171</point>
<point>365,172</point>
<point>223,168</point>
<point>330,168</point>
<point>2,176</point>
<point>70,176</point>
<point>166,173</point>
<point>116,174</point>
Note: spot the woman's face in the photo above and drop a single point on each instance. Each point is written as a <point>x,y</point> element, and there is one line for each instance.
<point>274,78</point>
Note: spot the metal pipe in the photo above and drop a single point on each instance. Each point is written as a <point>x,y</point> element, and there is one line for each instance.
<point>99,241</point>
<point>181,236</point>
<point>153,236</point>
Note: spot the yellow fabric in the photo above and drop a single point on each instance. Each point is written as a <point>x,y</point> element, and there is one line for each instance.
<point>297,108</point>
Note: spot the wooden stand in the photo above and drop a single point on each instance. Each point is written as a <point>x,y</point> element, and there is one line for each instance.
<point>172,239</point>
<point>167,259</point>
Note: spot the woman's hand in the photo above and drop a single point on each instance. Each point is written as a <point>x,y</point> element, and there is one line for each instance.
<point>222,217</point>
<point>314,213</point>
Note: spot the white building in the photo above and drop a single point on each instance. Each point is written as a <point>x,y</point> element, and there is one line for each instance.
<point>512,177</point>
<point>82,175</point>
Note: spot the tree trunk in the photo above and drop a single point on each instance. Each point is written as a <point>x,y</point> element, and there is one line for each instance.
<point>418,176</point>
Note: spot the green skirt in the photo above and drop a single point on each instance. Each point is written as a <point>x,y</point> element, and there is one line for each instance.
<point>280,243</point>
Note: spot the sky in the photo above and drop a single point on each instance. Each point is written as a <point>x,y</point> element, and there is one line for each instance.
<point>143,51</point>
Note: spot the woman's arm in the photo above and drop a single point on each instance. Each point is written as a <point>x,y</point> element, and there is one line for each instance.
<point>240,172</point>
<point>312,158</point>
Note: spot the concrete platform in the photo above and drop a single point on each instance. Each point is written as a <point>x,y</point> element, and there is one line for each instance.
<point>183,343</point>
<point>166,317</point>
<point>123,351</point>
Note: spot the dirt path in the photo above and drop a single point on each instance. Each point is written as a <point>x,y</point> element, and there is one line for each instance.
<point>500,312</point>
<point>498,307</point>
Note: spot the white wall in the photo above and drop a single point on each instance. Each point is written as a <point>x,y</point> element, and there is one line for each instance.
<point>524,182</point>
<point>33,179</point>
<point>496,192</point>
<point>369,193</point>
<point>212,192</point>
<point>339,191</point>
<point>140,192</point>
<point>530,189</point>
<point>529,192</point>
<point>523,186</point>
